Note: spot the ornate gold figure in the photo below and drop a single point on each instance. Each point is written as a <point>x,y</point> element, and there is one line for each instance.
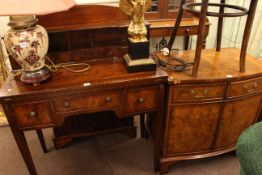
<point>136,9</point>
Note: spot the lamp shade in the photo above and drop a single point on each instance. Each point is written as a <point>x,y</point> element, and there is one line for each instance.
<point>33,7</point>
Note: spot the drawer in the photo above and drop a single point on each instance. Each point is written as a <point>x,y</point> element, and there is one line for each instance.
<point>90,101</point>
<point>242,88</point>
<point>140,100</point>
<point>34,114</point>
<point>198,92</point>
<point>188,30</point>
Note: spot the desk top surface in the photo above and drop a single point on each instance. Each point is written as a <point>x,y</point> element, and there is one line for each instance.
<point>103,73</point>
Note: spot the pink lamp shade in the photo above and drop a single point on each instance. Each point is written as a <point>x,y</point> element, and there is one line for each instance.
<point>33,7</point>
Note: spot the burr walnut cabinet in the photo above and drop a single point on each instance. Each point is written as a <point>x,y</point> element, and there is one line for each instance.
<point>205,115</point>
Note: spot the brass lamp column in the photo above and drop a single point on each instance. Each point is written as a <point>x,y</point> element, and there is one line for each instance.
<point>27,43</point>
<point>138,57</point>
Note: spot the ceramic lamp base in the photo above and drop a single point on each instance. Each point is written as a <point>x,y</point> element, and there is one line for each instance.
<point>35,77</point>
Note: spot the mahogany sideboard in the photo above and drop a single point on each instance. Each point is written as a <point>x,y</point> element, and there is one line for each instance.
<point>205,115</point>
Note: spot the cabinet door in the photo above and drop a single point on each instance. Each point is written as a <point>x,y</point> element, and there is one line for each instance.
<point>236,117</point>
<point>191,128</point>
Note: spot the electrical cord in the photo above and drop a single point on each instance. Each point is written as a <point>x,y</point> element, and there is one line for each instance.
<point>167,65</point>
<point>183,65</point>
<point>54,67</point>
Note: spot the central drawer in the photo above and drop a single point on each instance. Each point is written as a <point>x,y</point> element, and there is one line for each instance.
<point>92,101</point>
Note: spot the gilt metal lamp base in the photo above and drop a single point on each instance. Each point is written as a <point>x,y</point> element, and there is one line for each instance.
<point>139,65</point>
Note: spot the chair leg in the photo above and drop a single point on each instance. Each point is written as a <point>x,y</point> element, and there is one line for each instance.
<point>200,36</point>
<point>41,139</point>
<point>220,27</point>
<point>177,24</point>
<point>248,27</point>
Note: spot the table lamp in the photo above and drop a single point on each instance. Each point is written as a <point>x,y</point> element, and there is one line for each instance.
<point>26,41</point>
<point>138,58</point>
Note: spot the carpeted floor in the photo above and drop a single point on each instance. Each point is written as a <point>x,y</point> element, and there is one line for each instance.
<point>110,154</point>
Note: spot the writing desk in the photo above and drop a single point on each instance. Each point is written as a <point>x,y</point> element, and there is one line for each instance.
<point>80,35</point>
<point>106,86</point>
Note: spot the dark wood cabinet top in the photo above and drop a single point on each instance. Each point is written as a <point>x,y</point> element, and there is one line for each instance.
<point>216,66</point>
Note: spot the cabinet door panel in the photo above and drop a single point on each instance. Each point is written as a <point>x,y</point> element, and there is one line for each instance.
<point>237,116</point>
<point>191,128</point>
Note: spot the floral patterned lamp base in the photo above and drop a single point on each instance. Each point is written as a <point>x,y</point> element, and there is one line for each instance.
<point>27,43</point>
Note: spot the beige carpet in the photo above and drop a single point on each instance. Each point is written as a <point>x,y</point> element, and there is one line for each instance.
<point>111,154</point>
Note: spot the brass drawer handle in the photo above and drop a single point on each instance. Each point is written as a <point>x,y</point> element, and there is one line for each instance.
<point>66,104</point>
<point>199,96</point>
<point>250,90</point>
<point>108,99</point>
<point>140,100</point>
<point>206,91</point>
<point>32,114</point>
<point>193,92</point>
